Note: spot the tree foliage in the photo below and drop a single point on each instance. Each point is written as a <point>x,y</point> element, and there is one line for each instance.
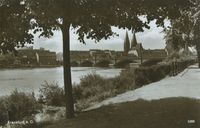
<point>184,29</point>
<point>94,18</point>
<point>14,25</point>
<point>91,18</point>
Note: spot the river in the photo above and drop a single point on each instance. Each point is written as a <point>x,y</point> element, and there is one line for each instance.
<point>30,80</point>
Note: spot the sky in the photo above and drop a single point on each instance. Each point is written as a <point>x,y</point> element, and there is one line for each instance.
<point>151,39</point>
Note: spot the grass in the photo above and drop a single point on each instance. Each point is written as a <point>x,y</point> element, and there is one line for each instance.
<point>165,113</point>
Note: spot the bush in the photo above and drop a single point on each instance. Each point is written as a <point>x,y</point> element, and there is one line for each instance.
<point>3,112</point>
<point>151,62</point>
<point>17,106</point>
<point>125,81</point>
<point>146,75</point>
<point>86,64</point>
<point>94,88</point>
<point>91,85</point>
<point>123,63</point>
<point>52,94</point>
<point>103,63</point>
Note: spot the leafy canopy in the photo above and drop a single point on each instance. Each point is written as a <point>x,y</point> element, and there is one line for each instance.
<point>91,18</point>
<point>14,25</point>
<point>185,29</point>
<point>94,18</point>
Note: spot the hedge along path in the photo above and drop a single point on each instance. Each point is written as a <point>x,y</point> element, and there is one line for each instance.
<point>186,85</point>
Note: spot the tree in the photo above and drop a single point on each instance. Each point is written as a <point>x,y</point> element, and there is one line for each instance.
<point>185,30</point>
<point>196,28</point>
<point>14,25</point>
<point>91,19</point>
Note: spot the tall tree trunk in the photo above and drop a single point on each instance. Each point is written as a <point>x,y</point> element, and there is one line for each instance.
<point>67,71</point>
<point>197,32</point>
<point>198,52</point>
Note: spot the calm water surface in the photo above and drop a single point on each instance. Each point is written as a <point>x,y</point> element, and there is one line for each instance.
<point>29,80</point>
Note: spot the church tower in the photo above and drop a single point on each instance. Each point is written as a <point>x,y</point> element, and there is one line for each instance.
<point>126,44</point>
<point>134,41</point>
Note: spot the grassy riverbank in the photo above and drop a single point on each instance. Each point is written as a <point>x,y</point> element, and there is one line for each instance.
<point>94,88</point>
<point>28,66</point>
<point>165,113</point>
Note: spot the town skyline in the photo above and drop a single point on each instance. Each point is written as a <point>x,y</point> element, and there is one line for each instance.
<point>151,39</point>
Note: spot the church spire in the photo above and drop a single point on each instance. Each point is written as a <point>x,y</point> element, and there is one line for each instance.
<point>133,41</point>
<point>126,44</point>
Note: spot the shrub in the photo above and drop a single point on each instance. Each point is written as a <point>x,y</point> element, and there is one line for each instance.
<point>94,88</point>
<point>123,63</point>
<point>141,75</point>
<point>17,106</point>
<point>3,112</point>
<point>125,81</point>
<point>91,84</point>
<point>74,64</point>
<point>146,75</point>
<point>103,63</point>
<point>86,63</point>
<point>151,62</point>
<point>52,94</point>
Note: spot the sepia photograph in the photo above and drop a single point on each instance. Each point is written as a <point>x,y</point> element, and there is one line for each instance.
<point>99,63</point>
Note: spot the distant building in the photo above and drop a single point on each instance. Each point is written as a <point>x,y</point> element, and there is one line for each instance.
<point>79,56</point>
<point>132,51</point>
<point>98,55</point>
<point>94,55</point>
<point>134,41</point>
<point>154,54</point>
<point>36,56</point>
<point>126,44</point>
<point>59,57</point>
<point>136,50</point>
<point>45,57</point>
<point>27,56</point>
